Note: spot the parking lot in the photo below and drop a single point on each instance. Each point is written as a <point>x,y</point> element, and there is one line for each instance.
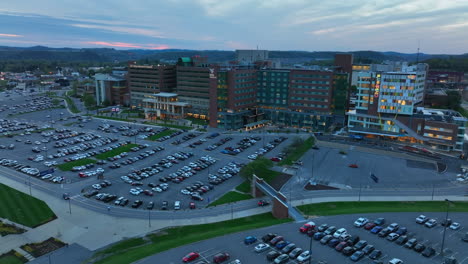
<point>429,237</point>
<point>190,167</point>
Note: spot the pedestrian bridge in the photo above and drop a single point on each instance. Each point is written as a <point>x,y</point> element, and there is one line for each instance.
<point>281,208</point>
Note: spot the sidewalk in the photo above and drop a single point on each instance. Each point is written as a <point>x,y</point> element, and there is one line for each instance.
<point>94,230</point>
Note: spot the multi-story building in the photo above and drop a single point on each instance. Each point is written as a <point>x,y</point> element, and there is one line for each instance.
<point>236,97</point>
<point>388,105</point>
<point>196,82</point>
<point>111,89</point>
<point>144,80</point>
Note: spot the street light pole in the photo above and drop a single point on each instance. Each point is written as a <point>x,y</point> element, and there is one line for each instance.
<point>310,250</point>
<point>445,227</point>
<point>360,188</point>
<point>149,218</point>
<point>69,204</point>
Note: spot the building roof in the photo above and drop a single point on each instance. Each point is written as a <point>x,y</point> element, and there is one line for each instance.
<point>185,59</point>
<point>107,77</point>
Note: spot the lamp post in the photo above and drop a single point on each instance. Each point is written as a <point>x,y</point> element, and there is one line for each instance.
<point>310,250</point>
<point>445,227</point>
<point>149,218</point>
<point>69,204</point>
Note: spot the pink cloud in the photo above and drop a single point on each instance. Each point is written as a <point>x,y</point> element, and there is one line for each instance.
<point>10,35</point>
<point>128,45</point>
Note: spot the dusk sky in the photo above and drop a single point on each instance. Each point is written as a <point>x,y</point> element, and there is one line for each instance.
<point>440,26</point>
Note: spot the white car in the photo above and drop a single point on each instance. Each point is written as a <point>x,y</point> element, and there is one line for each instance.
<point>157,189</point>
<point>395,261</point>
<point>97,186</point>
<point>339,232</point>
<point>421,219</point>
<point>261,247</point>
<point>455,226</point>
<point>134,192</point>
<point>361,221</point>
<point>184,191</point>
<point>303,256</point>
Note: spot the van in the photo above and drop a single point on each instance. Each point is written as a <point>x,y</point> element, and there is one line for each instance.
<point>177,205</point>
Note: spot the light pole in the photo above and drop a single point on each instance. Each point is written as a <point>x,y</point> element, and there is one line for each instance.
<point>69,204</point>
<point>445,227</point>
<point>310,250</point>
<point>149,218</point>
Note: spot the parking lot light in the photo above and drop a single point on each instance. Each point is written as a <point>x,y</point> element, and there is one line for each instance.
<point>445,226</point>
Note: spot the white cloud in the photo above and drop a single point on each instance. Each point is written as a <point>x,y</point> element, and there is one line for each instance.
<point>127,30</point>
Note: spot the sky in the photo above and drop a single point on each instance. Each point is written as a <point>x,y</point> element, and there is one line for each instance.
<point>437,26</point>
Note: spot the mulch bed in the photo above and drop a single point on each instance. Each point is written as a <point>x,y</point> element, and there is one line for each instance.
<point>44,247</point>
<point>7,229</point>
<point>280,180</point>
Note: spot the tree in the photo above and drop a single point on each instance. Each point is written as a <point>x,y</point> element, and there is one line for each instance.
<point>55,101</point>
<point>106,103</point>
<point>88,101</point>
<point>75,89</point>
<point>253,167</point>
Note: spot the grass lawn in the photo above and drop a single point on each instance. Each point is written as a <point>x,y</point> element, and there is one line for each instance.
<point>71,105</point>
<point>162,134</point>
<point>69,165</point>
<point>116,151</point>
<point>11,259</point>
<point>197,121</point>
<point>179,236</point>
<point>337,208</point>
<point>231,197</point>
<point>22,208</point>
<point>123,245</point>
<point>244,187</point>
<point>297,153</point>
<point>113,118</point>
<point>167,125</point>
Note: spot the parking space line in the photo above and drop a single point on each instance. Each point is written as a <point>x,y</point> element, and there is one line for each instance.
<point>463,261</point>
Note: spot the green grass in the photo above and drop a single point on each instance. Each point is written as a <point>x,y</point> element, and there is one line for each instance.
<point>116,151</point>
<point>231,197</point>
<point>244,187</point>
<point>337,208</point>
<point>10,259</point>
<point>179,236</point>
<point>298,152</point>
<point>71,105</point>
<point>23,209</point>
<point>113,118</point>
<point>123,245</point>
<point>70,124</point>
<point>197,121</point>
<point>167,125</point>
<point>69,165</point>
<point>162,134</point>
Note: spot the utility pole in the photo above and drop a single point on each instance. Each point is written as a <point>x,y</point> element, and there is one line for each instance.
<point>69,204</point>
<point>445,227</point>
<point>149,218</point>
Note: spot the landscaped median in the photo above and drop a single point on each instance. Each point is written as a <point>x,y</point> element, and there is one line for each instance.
<point>116,151</point>
<point>167,125</point>
<point>23,209</point>
<point>162,134</point>
<point>231,197</point>
<point>296,150</point>
<point>338,208</point>
<point>69,165</point>
<point>129,251</point>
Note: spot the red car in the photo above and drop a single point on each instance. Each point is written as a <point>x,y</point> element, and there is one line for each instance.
<point>148,192</point>
<point>275,159</point>
<point>221,257</point>
<point>191,257</point>
<point>83,175</point>
<point>263,203</point>
<point>369,226</point>
<point>192,205</point>
<point>306,227</point>
<point>354,165</point>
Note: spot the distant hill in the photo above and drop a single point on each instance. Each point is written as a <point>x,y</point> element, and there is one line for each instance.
<point>111,55</point>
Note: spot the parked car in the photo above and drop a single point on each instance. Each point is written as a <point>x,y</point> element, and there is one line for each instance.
<point>270,256</point>
<point>250,240</point>
<point>357,255</point>
<point>190,257</point>
<point>304,256</point>
<point>392,237</point>
<point>283,258</point>
<point>306,227</point>
<point>428,252</point>
<point>375,254</point>
<point>221,257</point>
<point>361,221</point>
<point>421,219</point>
<point>411,243</point>
<point>430,223</point>
<point>261,247</point>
